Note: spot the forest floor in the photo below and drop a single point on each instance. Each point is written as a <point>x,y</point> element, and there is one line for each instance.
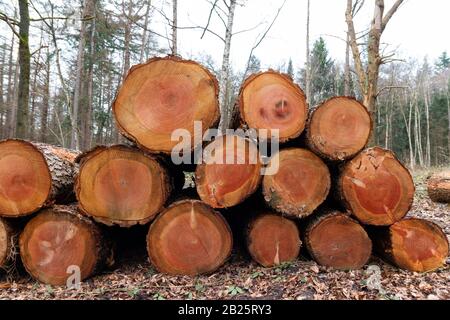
<point>241,279</point>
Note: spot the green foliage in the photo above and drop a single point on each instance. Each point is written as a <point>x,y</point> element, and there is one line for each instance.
<point>234,290</point>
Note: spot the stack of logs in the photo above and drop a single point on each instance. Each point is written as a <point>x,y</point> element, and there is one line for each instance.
<point>328,192</point>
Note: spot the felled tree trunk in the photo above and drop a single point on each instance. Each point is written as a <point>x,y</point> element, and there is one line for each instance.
<point>300,185</point>
<point>439,187</point>
<point>230,172</point>
<point>376,188</point>
<point>271,101</point>
<point>34,175</point>
<point>164,95</point>
<point>335,240</point>
<point>122,185</point>
<point>8,244</point>
<point>273,240</point>
<point>339,129</point>
<point>189,238</point>
<point>59,241</point>
<point>412,244</point>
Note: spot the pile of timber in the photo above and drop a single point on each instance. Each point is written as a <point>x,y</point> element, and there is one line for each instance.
<point>330,197</point>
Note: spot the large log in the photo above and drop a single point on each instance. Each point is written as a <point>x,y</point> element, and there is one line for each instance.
<point>122,186</point>
<point>189,238</point>
<point>59,239</point>
<point>376,188</point>
<point>272,101</point>
<point>8,244</point>
<point>412,244</point>
<point>273,240</point>
<point>33,176</point>
<point>164,95</point>
<point>231,171</point>
<point>301,184</point>
<point>335,240</point>
<point>439,187</point>
<point>339,129</point>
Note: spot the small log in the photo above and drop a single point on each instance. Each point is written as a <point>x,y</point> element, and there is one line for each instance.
<point>8,245</point>
<point>33,176</point>
<point>189,238</point>
<point>59,238</point>
<point>339,129</point>
<point>301,184</point>
<point>376,187</point>
<point>439,187</point>
<point>335,240</point>
<point>271,100</point>
<point>412,244</point>
<point>123,186</point>
<point>164,95</point>
<point>230,172</point>
<point>273,240</point>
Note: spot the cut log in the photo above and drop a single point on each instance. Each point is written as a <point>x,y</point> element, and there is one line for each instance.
<point>412,244</point>
<point>34,175</point>
<point>439,187</point>
<point>273,240</point>
<point>230,173</point>
<point>335,240</point>
<point>301,184</point>
<point>272,101</point>
<point>164,95</point>
<point>339,129</point>
<point>189,238</point>
<point>121,186</point>
<point>59,239</point>
<point>8,244</point>
<point>376,188</point>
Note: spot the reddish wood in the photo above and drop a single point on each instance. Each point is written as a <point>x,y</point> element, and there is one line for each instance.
<point>189,238</point>
<point>376,187</point>
<point>8,244</point>
<point>439,187</point>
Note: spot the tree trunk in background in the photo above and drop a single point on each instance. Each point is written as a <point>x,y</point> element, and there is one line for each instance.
<point>34,87</point>
<point>347,75</point>
<point>2,100</point>
<point>7,130</point>
<point>145,33</point>
<point>175,27</point>
<point>308,57</point>
<point>24,77</point>
<point>448,113</point>
<point>225,71</point>
<point>45,99</point>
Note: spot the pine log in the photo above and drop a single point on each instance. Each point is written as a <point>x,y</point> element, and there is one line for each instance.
<point>230,172</point>
<point>59,238</point>
<point>273,240</point>
<point>439,187</point>
<point>123,186</point>
<point>164,95</point>
<point>339,129</point>
<point>412,244</point>
<point>271,100</point>
<point>301,184</point>
<point>376,187</point>
<point>335,240</point>
<point>8,244</point>
<point>189,238</point>
<point>33,176</point>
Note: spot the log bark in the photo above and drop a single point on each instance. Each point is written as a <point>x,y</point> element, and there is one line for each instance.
<point>123,186</point>
<point>439,187</point>
<point>339,129</point>
<point>164,95</point>
<point>273,240</point>
<point>59,238</point>
<point>335,240</point>
<point>34,175</point>
<point>271,100</point>
<point>412,244</point>
<point>301,184</point>
<point>8,245</point>
<point>230,173</point>
<point>189,238</point>
<point>376,188</point>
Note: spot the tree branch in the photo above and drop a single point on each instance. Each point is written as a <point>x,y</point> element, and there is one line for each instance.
<point>390,13</point>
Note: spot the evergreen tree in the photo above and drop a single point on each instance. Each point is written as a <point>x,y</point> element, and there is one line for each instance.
<point>443,62</point>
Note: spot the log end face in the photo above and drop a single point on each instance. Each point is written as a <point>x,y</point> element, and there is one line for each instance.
<point>4,243</point>
<point>273,240</point>
<point>25,179</point>
<point>189,238</point>
<point>439,187</point>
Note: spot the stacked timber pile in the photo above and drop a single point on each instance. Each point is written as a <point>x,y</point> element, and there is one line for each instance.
<point>323,193</point>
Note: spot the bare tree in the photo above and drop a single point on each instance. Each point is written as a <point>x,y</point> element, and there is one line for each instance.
<point>175,27</point>
<point>308,56</point>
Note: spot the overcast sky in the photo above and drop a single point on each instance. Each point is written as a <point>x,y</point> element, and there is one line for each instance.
<point>420,28</point>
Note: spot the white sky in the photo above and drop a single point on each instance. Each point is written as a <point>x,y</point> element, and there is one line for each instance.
<point>420,28</point>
